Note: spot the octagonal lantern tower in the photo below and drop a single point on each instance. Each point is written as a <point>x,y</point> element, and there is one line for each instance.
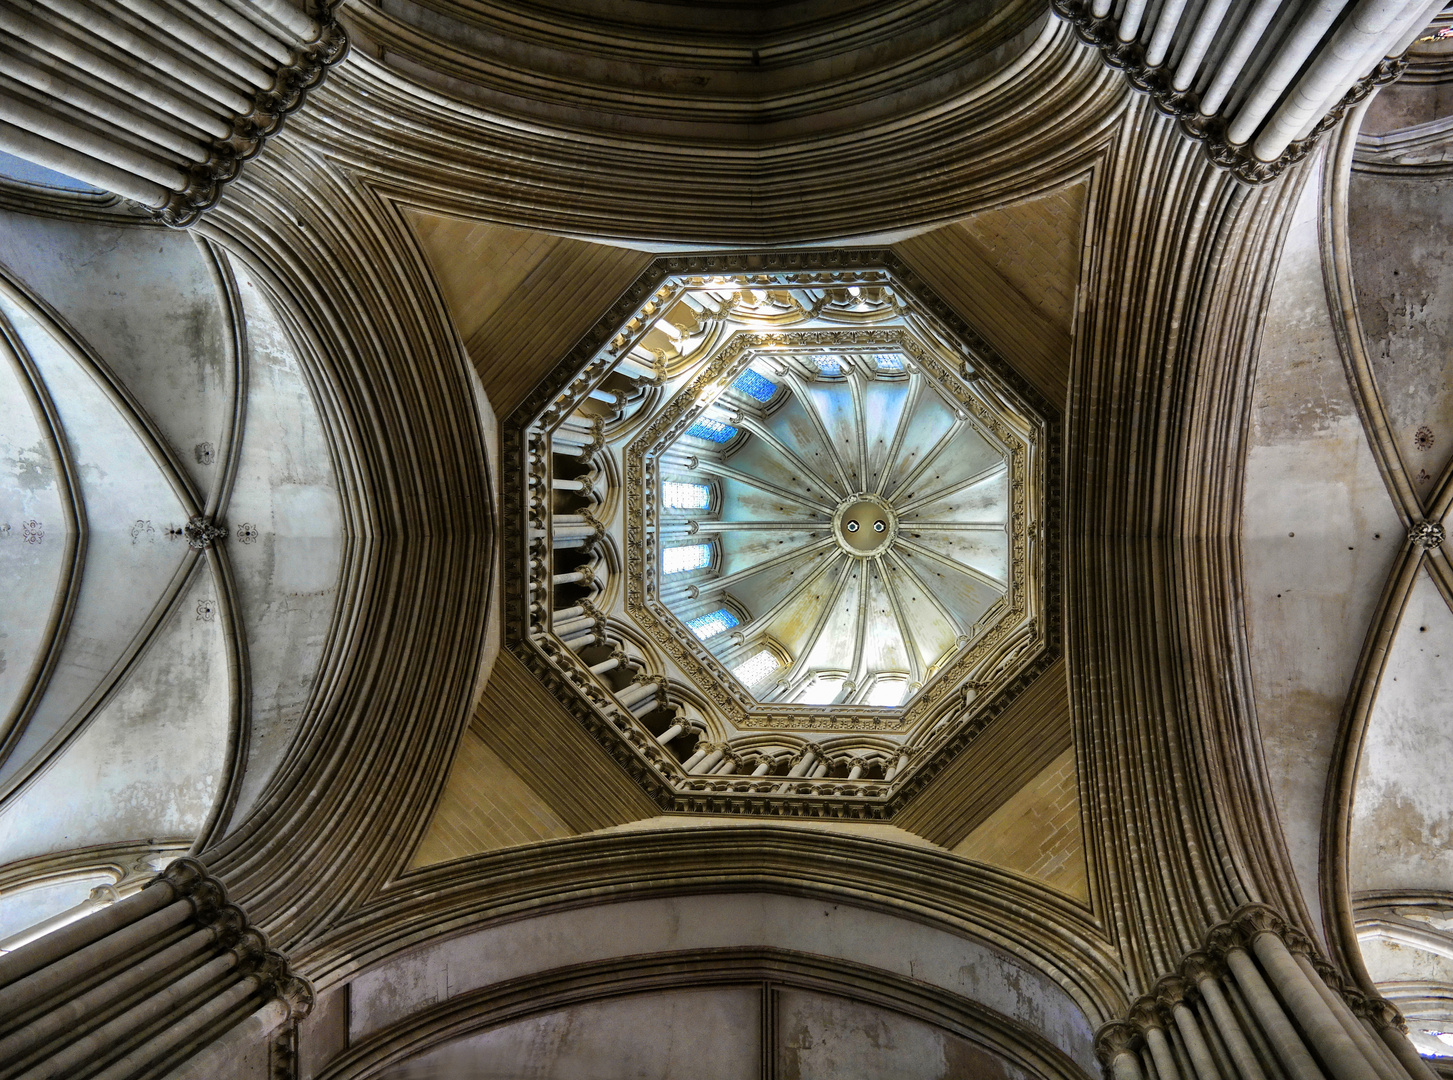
<point>782,533</point>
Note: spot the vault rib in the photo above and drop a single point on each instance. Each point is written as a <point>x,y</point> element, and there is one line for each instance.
<point>825,612</point>
<point>764,620</point>
<point>928,458</point>
<point>726,472</point>
<point>905,420</point>
<point>954,564</point>
<point>928,594</point>
<point>727,581</point>
<point>757,428</point>
<point>950,489</point>
<point>820,424</point>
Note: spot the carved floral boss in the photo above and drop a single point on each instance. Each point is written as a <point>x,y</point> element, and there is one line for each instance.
<point>862,359</point>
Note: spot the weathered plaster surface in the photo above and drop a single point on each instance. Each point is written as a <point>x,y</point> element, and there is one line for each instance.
<point>1405,105</point>
<point>660,1036</point>
<point>821,1037</point>
<point>130,556</point>
<point>1402,263</point>
<point>1391,960</point>
<point>150,761</point>
<point>287,577</point>
<point>1402,812</point>
<point>401,986</point>
<point>1318,535</point>
<point>146,301</point>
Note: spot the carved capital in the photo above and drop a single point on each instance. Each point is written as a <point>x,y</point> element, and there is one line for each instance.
<point>1113,1039</point>
<point>250,948</point>
<point>1254,919</point>
<point>190,880</point>
<point>1381,1013</point>
<point>1199,966</point>
<point>1145,1014</point>
<point>229,924</point>
<point>1170,992</point>
<point>1222,938</point>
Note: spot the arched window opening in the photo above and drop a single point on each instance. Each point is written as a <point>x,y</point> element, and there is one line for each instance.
<point>712,623</point>
<point>887,693</point>
<point>755,385</point>
<point>679,496</point>
<point>716,431</point>
<point>821,691</point>
<point>678,560</point>
<point>757,667</point>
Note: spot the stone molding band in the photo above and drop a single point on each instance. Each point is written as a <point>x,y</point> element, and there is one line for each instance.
<point>143,985</point>
<point>1256,995</point>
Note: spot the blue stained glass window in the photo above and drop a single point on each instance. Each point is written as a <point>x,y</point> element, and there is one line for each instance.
<point>713,623</point>
<point>889,361</point>
<point>832,366</point>
<point>716,431</point>
<point>755,385</point>
<point>679,496</point>
<point>27,172</point>
<point>675,560</point>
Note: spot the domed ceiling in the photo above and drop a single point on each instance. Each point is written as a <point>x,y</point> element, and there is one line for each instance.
<point>782,533</point>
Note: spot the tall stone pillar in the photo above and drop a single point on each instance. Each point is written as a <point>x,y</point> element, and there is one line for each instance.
<point>1257,1002</point>
<point>143,985</point>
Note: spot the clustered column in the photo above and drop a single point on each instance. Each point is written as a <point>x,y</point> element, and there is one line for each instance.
<point>1257,1003</point>
<point>160,106</point>
<point>143,985</point>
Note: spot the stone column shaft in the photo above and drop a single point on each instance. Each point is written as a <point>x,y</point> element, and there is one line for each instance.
<point>1284,1039</point>
<point>1255,1003</point>
<point>1342,1055</point>
<point>128,991</point>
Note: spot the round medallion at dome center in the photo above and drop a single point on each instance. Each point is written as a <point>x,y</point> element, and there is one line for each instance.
<point>864,525</point>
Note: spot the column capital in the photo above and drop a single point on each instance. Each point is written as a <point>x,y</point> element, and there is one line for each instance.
<point>1116,1038</point>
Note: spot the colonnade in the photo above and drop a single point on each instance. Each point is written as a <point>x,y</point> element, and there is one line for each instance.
<point>1257,81</point>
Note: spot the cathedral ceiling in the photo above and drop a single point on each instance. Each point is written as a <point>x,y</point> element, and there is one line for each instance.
<point>1028,318</point>
<point>1341,440</point>
<point>150,684</point>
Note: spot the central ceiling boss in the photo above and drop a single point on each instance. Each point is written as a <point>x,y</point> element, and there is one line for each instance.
<point>782,533</point>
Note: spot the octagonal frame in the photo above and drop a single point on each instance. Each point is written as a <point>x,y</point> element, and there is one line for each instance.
<point>628,742</point>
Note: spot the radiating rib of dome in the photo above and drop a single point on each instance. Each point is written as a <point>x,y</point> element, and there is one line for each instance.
<point>901,612</point>
<point>161,108</point>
